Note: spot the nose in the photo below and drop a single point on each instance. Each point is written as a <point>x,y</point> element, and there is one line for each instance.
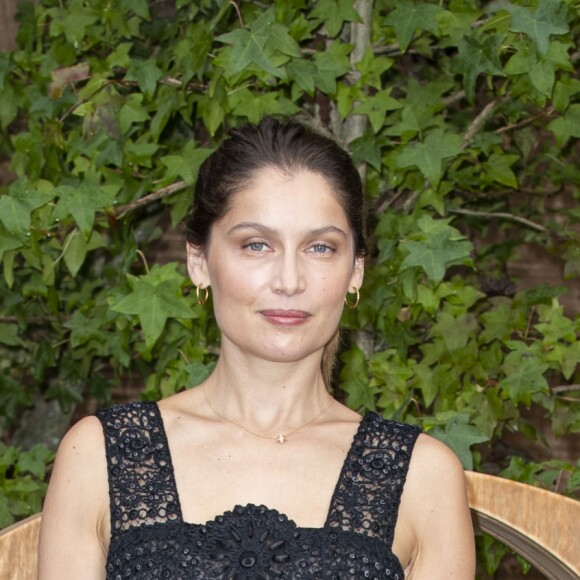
<point>289,276</point>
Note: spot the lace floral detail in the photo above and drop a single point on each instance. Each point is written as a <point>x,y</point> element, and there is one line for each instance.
<point>368,493</point>
<point>142,488</point>
<point>150,540</point>
<point>250,542</point>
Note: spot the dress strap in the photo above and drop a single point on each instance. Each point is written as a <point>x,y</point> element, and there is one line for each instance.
<point>368,493</point>
<point>142,487</point>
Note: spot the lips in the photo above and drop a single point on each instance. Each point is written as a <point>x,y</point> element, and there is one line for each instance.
<point>285,317</point>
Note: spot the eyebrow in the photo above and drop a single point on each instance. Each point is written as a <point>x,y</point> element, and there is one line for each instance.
<point>270,231</point>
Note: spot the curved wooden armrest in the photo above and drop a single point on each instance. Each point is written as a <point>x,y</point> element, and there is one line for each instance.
<point>19,550</point>
<point>541,526</point>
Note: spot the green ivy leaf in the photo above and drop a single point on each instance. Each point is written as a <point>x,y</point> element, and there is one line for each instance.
<point>334,13</point>
<point>355,380</point>
<point>83,328</point>
<point>82,203</point>
<point>555,326</point>
<point>75,251</point>
<point>457,24</point>
<point>132,112</point>
<point>524,376</point>
<point>192,52</point>
<point>197,373</point>
<point>9,241</point>
<point>302,71</point>
<point>414,120</point>
<point>498,169</point>
<point>521,470</point>
<point>6,517</point>
<point>282,41</point>
<point>34,461</point>
<point>429,155</point>
<point>8,106</point>
<point>147,75</point>
<point>432,256</point>
<point>543,76</point>
<point>549,18</point>
<point>249,47</point>
<point>372,67</point>
<point>72,24</point>
<point>331,64</point>
<point>408,17</point>
<point>475,58</point>
<point>428,380</point>
<point>9,335</point>
<point>187,164</point>
<point>154,304</point>
<point>570,360</point>
<point>15,214</point>
<point>376,107</point>
<point>498,322</point>
<point>459,436</point>
<point>139,7</point>
<point>454,330</point>
<point>563,90</point>
<point>574,481</point>
<point>213,113</point>
<point>441,247</point>
<point>254,107</point>
<point>8,267</point>
<point>564,127</point>
<point>366,149</point>
<point>159,274</point>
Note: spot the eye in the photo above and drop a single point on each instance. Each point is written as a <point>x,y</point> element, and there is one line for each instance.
<point>321,249</point>
<point>256,246</point>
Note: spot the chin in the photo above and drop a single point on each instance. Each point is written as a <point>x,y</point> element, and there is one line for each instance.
<point>285,355</point>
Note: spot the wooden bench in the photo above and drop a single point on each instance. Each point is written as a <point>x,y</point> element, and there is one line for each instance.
<point>541,526</point>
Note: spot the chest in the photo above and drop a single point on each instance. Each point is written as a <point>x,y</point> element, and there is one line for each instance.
<point>297,478</point>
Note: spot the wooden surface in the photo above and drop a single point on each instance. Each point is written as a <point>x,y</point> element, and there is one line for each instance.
<point>18,550</point>
<point>541,526</point>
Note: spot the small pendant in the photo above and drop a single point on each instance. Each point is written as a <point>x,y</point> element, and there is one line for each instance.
<point>281,439</point>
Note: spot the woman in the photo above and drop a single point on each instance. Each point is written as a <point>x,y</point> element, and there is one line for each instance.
<point>258,472</point>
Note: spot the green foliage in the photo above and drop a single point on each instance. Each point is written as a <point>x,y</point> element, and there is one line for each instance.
<point>471,114</point>
<point>22,485</point>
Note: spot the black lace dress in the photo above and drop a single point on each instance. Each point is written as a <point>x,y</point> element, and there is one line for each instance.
<point>149,538</point>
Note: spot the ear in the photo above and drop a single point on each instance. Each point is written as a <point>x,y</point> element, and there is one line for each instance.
<point>358,274</point>
<point>197,266</point>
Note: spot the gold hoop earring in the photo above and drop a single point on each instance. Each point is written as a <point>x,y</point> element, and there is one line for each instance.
<point>201,299</point>
<point>352,305</point>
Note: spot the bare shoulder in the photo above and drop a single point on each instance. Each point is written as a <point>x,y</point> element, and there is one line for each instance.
<point>80,464</point>
<point>436,533</point>
<point>74,530</point>
<point>435,481</point>
<point>433,460</point>
<point>86,435</point>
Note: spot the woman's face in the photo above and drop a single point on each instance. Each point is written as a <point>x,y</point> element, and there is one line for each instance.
<point>279,264</point>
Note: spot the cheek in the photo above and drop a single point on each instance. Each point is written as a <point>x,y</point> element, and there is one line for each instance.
<point>334,288</point>
<point>232,284</point>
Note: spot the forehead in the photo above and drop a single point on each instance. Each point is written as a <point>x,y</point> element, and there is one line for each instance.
<point>276,198</point>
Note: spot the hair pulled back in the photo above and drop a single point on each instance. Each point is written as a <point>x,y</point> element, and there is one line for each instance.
<point>288,146</point>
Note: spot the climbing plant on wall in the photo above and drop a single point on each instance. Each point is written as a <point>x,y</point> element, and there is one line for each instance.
<point>464,118</point>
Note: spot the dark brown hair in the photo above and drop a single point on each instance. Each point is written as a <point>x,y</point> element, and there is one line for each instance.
<point>288,146</point>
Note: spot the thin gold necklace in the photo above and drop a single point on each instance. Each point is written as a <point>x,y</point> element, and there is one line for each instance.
<point>282,437</point>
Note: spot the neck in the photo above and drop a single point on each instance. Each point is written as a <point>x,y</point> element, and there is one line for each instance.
<point>267,395</point>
